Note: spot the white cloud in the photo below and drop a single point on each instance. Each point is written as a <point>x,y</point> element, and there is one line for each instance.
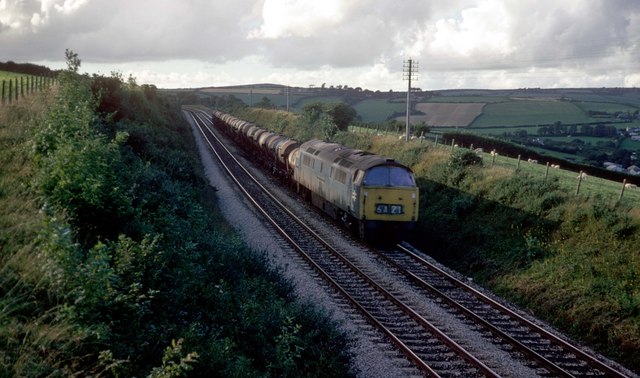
<point>458,43</point>
<point>482,29</point>
<point>303,18</point>
<point>632,80</point>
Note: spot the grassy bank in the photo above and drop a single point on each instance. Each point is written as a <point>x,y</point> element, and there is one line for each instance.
<point>114,260</point>
<point>572,260</point>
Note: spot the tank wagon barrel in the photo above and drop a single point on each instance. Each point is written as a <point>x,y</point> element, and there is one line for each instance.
<point>366,192</point>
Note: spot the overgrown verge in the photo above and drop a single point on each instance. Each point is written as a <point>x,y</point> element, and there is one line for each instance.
<point>114,260</point>
<point>574,261</point>
<point>571,260</point>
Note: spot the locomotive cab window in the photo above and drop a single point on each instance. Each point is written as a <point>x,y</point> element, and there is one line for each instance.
<point>389,176</point>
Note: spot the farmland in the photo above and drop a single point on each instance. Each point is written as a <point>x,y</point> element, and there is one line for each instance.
<point>530,112</point>
<point>5,75</point>
<point>448,114</point>
<point>586,126</point>
<point>378,111</point>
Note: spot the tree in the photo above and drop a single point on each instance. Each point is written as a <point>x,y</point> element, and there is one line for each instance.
<point>73,61</point>
<point>421,128</point>
<point>586,130</point>
<point>265,103</point>
<point>313,111</point>
<point>342,115</point>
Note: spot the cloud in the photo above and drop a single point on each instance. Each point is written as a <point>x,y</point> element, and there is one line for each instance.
<point>284,18</point>
<point>122,30</point>
<point>457,42</point>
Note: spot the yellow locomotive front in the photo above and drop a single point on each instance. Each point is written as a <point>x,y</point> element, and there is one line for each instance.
<point>376,195</point>
<point>385,198</point>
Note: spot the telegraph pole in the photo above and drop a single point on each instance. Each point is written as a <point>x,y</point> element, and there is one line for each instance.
<point>409,72</point>
<point>287,99</point>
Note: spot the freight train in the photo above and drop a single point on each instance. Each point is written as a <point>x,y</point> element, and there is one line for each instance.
<point>373,195</point>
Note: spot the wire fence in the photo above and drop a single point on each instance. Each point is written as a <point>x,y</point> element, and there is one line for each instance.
<point>577,182</point>
<point>19,87</point>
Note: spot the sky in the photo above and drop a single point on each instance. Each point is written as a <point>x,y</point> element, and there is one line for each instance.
<point>359,43</point>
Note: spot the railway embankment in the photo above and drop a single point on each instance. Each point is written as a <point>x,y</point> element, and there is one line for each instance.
<point>114,259</point>
<point>571,260</point>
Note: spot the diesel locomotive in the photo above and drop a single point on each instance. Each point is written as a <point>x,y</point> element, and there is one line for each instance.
<point>368,193</point>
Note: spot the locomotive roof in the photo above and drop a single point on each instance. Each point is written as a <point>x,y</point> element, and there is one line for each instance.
<point>344,156</point>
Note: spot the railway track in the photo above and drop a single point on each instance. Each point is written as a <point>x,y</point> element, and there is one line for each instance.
<point>429,348</point>
<point>548,350</point>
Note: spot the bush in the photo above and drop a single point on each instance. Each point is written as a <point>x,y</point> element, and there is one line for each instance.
<point>134,256</point>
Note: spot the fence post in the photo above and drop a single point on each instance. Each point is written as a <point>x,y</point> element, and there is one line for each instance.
<point>518,166</point>
<point>546,173</point>
<point>453,141</point>
<point>579,182</point>
<point>17,89</point>
<point>624,184</point>
<point>21,87</point>
<point>10,91</point>
<point>436,142</point>
<point>3,83</point>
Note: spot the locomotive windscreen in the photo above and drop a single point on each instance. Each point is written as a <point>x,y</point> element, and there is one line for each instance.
<point>389,175</point>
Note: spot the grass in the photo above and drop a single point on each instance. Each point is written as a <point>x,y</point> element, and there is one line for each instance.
<point>591,187</point>
<point>6,75</point>
<point>309,100</point>
<point>605,107</point>
<point>569,259</point>
<point>33,327</point>
<point>629,144</point>
<point>531,130</point>
<point>526,112</point>
<point>629,98</point>
<point>468,99</point>
<point>378,110</point>
<point>18,217</point>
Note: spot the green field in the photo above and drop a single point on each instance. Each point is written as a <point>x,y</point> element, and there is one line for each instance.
<point>608,107</point>
<point>468,99</point>
<point>309,100</point>
<point>4,75</point>
<point>378,110</point>
<point>526,112</point>
<point>630,145</point>
<point>627,97</point>
<point>278,100</point>
<point>589,187</point>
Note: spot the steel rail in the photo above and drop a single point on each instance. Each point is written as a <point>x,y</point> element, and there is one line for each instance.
<point>590,360</point>
<point>410,312</point>
<point>376,323</point>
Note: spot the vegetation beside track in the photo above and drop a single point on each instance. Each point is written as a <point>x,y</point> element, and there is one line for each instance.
<point>572,260</point>
<point>114,260</point>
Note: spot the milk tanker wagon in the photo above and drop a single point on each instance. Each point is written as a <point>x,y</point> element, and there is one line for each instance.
<point>374,195</point>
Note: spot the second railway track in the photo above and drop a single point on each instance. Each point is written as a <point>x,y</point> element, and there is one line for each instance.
<point>406,325</point>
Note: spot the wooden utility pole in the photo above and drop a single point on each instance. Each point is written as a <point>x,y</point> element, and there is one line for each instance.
<point>409,72</point>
